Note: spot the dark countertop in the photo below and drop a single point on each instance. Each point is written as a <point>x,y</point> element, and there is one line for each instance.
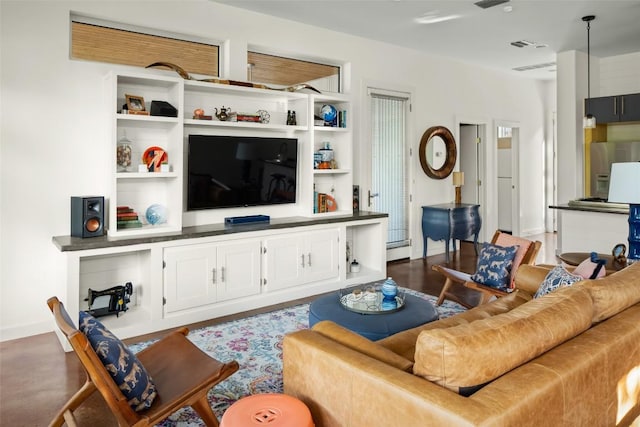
<point>68,243</point>
<point>599,209</point>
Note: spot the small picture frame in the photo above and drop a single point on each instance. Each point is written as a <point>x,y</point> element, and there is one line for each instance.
<point>135,103</point>
<point>356,198</point>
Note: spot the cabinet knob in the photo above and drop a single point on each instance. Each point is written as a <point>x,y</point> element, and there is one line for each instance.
<point>213,275</point>
<point>309,259</point>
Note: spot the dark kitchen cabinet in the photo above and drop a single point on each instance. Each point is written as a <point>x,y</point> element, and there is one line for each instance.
<point>610,109</point>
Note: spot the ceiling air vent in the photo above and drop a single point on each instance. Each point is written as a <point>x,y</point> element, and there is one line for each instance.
<point>485,4</point>
<point>522,43</point>
<point>535,66</point>
<point>527,43</point>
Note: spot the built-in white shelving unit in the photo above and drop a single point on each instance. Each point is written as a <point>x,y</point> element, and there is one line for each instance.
<point>205,270</point>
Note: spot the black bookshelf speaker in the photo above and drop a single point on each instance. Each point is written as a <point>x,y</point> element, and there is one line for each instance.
<point>87,216</point>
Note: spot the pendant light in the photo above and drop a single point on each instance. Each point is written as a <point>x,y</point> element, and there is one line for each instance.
<point>589,121</point>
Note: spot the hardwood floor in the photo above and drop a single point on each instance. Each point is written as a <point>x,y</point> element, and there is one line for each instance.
<point>37,377</point>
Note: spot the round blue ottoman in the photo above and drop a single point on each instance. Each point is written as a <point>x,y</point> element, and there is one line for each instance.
<point>415,312</point>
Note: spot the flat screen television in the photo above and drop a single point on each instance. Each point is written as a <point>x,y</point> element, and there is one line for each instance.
<point>234,171</point>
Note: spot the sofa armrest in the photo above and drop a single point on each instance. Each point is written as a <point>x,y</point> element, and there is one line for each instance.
<point>359,343</point>
<point>344,387</point>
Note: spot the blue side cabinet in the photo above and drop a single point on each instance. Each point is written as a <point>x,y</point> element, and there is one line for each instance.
<point>450,221</point>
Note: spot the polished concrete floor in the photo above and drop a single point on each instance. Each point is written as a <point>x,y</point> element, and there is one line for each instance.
<point>37,377</point>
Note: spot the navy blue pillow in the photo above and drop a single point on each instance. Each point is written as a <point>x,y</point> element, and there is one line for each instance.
<point>494,265</point>
<point>125,368</point>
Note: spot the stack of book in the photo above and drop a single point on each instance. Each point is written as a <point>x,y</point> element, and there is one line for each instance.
<point>127,218</point>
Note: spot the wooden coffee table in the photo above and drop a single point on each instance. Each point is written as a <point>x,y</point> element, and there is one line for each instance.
<point>575,258</point>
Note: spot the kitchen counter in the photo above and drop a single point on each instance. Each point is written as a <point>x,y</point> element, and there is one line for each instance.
<point>591,226</point>
<point>594,206</point>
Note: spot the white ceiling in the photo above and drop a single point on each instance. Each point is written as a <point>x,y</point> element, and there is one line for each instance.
<point>479,36</point>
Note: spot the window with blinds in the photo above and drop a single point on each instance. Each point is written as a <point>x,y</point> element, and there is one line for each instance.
<point>389,166</point>
<point>95,42</point>
<point>264,68</point>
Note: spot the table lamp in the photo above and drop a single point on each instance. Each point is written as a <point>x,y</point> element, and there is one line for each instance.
<point>624,187</point>
<point>458,181</point>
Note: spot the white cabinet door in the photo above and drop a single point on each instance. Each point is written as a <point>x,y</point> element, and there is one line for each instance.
<point>284,261</point>
<point>198,275</point>
<point>301,258</point>
<point>189,276</point>
<point>321,253</point>
<point>238,270</point>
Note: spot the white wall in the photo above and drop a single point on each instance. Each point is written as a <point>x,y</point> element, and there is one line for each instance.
<point>50,130</point>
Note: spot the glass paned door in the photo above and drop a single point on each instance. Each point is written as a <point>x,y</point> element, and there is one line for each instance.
<point>389,166</point>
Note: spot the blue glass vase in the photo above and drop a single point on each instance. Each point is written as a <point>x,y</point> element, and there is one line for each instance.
<point>388,304</point>
<point>389,289</point>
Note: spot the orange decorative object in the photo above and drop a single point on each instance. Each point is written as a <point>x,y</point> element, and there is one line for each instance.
<point>153,157</point>
<point>332,205</point>
<point>274,410</point>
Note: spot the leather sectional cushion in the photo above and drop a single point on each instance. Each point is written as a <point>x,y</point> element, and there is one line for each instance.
<point>404,343</point>
<point>614,293</point>
<point>476,353</point>
<point>529,277</point>
<point>363,345</point>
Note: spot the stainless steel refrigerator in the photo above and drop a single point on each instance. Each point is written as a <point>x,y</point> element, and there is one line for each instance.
<point>603,154</point>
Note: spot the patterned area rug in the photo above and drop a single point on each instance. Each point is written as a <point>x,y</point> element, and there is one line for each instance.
<point>256,343</point>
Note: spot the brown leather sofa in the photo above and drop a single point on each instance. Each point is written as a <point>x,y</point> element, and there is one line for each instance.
<point>569,358</point>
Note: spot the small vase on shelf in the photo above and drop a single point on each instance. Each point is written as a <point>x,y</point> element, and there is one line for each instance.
<point>123,154</point>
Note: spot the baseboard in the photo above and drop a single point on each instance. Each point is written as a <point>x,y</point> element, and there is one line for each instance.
<point>23,331</point>
<point>533,232</point>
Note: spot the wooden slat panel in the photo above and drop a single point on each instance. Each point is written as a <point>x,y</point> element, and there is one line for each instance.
<point>96,43</point>
<point>504,143</point>
<point>286,71</point>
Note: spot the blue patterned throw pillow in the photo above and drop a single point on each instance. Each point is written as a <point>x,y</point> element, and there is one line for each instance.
<point>494,265</point>
<point>559,277</point>
<point>125,368</point>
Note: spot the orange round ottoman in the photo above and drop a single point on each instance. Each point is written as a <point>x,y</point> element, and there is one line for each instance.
<point>274,410</point>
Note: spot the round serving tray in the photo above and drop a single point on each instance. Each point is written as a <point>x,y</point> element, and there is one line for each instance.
<point>370,302</point>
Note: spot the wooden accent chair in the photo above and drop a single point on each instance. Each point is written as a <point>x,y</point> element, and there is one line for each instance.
<point>526,255</point>
<point>182,373</point>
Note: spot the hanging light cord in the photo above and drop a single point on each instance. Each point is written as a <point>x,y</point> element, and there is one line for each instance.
<point>588,20</point>
<point>589,67</point>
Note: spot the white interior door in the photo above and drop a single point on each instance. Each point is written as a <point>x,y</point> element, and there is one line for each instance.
<point>472,161</point>
<point>507,140</point>
<point>469,162</point>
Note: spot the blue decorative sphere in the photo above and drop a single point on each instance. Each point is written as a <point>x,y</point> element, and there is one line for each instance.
<point>156,214</point>
<point>329,113</point>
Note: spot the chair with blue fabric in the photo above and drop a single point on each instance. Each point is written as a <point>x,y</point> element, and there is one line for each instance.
<point>498,262</point>
<point>140,389</point>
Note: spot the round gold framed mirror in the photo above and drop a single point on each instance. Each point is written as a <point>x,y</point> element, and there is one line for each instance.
<point>438,152</point>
